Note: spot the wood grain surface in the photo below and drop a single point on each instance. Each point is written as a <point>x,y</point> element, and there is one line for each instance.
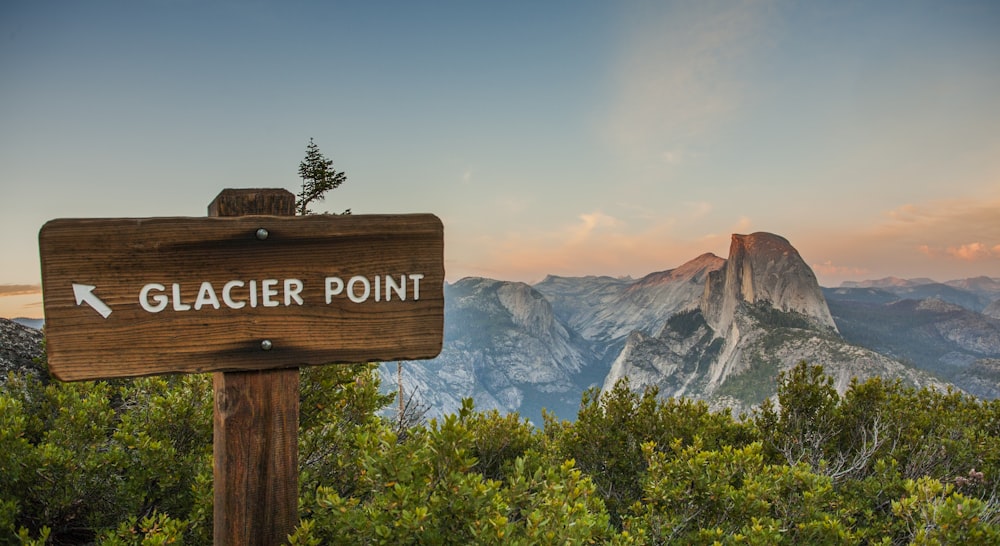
<point>198,331</point>
<point>255,427</point>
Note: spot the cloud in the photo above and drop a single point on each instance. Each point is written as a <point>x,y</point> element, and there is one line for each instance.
<point>957,229</point>
<point>744,225</point>
<point>829,269</point>
<point>513,204</point>
<point>698,210</point>
<point>592,243</point>
<point>673,157</point>
<point>970,251</point>
<point>941,239</point>
<point>680,72</point>
<point>19,289</point>
<point>589,222</point>
<point>944,221</point>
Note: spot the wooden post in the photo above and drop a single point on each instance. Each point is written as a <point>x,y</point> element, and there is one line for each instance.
<point>331,289</point>
<point>256,422</point>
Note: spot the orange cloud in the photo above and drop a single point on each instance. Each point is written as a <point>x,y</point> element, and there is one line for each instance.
<point>970,251</point>
<point>19,289</point>
<point>595,244</point>
<point>829,269</point>
<point>940,239</point>
<point>589,222</point>
<point>944,222</point>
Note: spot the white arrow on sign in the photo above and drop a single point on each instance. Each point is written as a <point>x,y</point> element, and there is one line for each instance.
<point>85,294</point>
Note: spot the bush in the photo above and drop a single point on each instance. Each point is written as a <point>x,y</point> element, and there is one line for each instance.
<point>130,462</point>
<point>78,458</point>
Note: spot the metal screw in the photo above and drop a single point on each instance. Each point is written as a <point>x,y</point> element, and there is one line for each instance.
<point>266,345</point>
<point>262,234</point>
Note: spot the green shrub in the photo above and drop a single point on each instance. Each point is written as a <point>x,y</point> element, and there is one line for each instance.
<point>130,462</point>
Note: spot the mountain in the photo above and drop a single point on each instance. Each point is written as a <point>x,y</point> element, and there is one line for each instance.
<point>974,294</point>
<point>764,269</point>
<point>762,313</point>
<point>20,346</point>
<point>941,333</point>
<point>506,348</point>
<point>887,282</point>
<point>715,329</point>
<point>983,286</point>
<point>606,310</point>
<point>30,323</point>
<point>993,310</point>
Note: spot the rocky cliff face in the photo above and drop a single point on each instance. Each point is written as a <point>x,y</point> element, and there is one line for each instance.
<point>763,268</point>
<point>738,373</point>
<point>20,346</point>
<point>763,312</point>
<point>934,334</point>
<point>504,347</point>
<point>712,329</point>
<point>974,294</point>
<point>993,310</point>
<point>606,310</point>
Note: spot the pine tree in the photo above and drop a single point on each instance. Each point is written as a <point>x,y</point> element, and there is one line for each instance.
<point>318,177</point>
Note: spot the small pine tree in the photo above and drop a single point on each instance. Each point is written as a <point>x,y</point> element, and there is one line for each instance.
<point>318,177</point>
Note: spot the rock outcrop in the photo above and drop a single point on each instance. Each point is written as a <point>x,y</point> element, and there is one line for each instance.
<point>763,268</point>
<point>993,310</point>
<point>504,347</point>
<point>607,310</point>
<point>20,349</point>
<point>715,329</point>
<point>760,314</point>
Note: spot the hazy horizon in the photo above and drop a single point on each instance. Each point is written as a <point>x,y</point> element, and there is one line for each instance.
<point>566,138</point>
<point>29,297</point>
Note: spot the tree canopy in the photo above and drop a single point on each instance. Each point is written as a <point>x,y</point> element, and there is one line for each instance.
<point>318,177</point>
<point>129,462</point>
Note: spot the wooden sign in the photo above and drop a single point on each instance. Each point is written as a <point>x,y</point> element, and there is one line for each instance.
<point>142,296</point>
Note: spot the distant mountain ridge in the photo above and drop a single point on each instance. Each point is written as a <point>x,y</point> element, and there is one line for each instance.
<point>606,309</point>
<point>760,314</point>
<point>975,294</point>
<point>29,322</point>
<point>714,329</point>
<point>950,329</point>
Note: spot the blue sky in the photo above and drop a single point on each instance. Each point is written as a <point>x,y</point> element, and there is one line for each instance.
<point>551,137</point>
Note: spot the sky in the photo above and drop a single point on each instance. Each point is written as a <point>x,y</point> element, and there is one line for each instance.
<point>564,137</point>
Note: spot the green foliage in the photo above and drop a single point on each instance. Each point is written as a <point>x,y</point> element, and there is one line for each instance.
<point>318,177</point>
<point>686,323</point>
<point>335,403</point>
<point>768,315</point>
<point>498,440</point>
<point>876,439</point>
<point>154,530</point>
<point>425,489</point>
<point>935,514</point>
<point>730,495</point>
<point>606,440</point>
<point>129,462</point>
<point>81,457</point>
